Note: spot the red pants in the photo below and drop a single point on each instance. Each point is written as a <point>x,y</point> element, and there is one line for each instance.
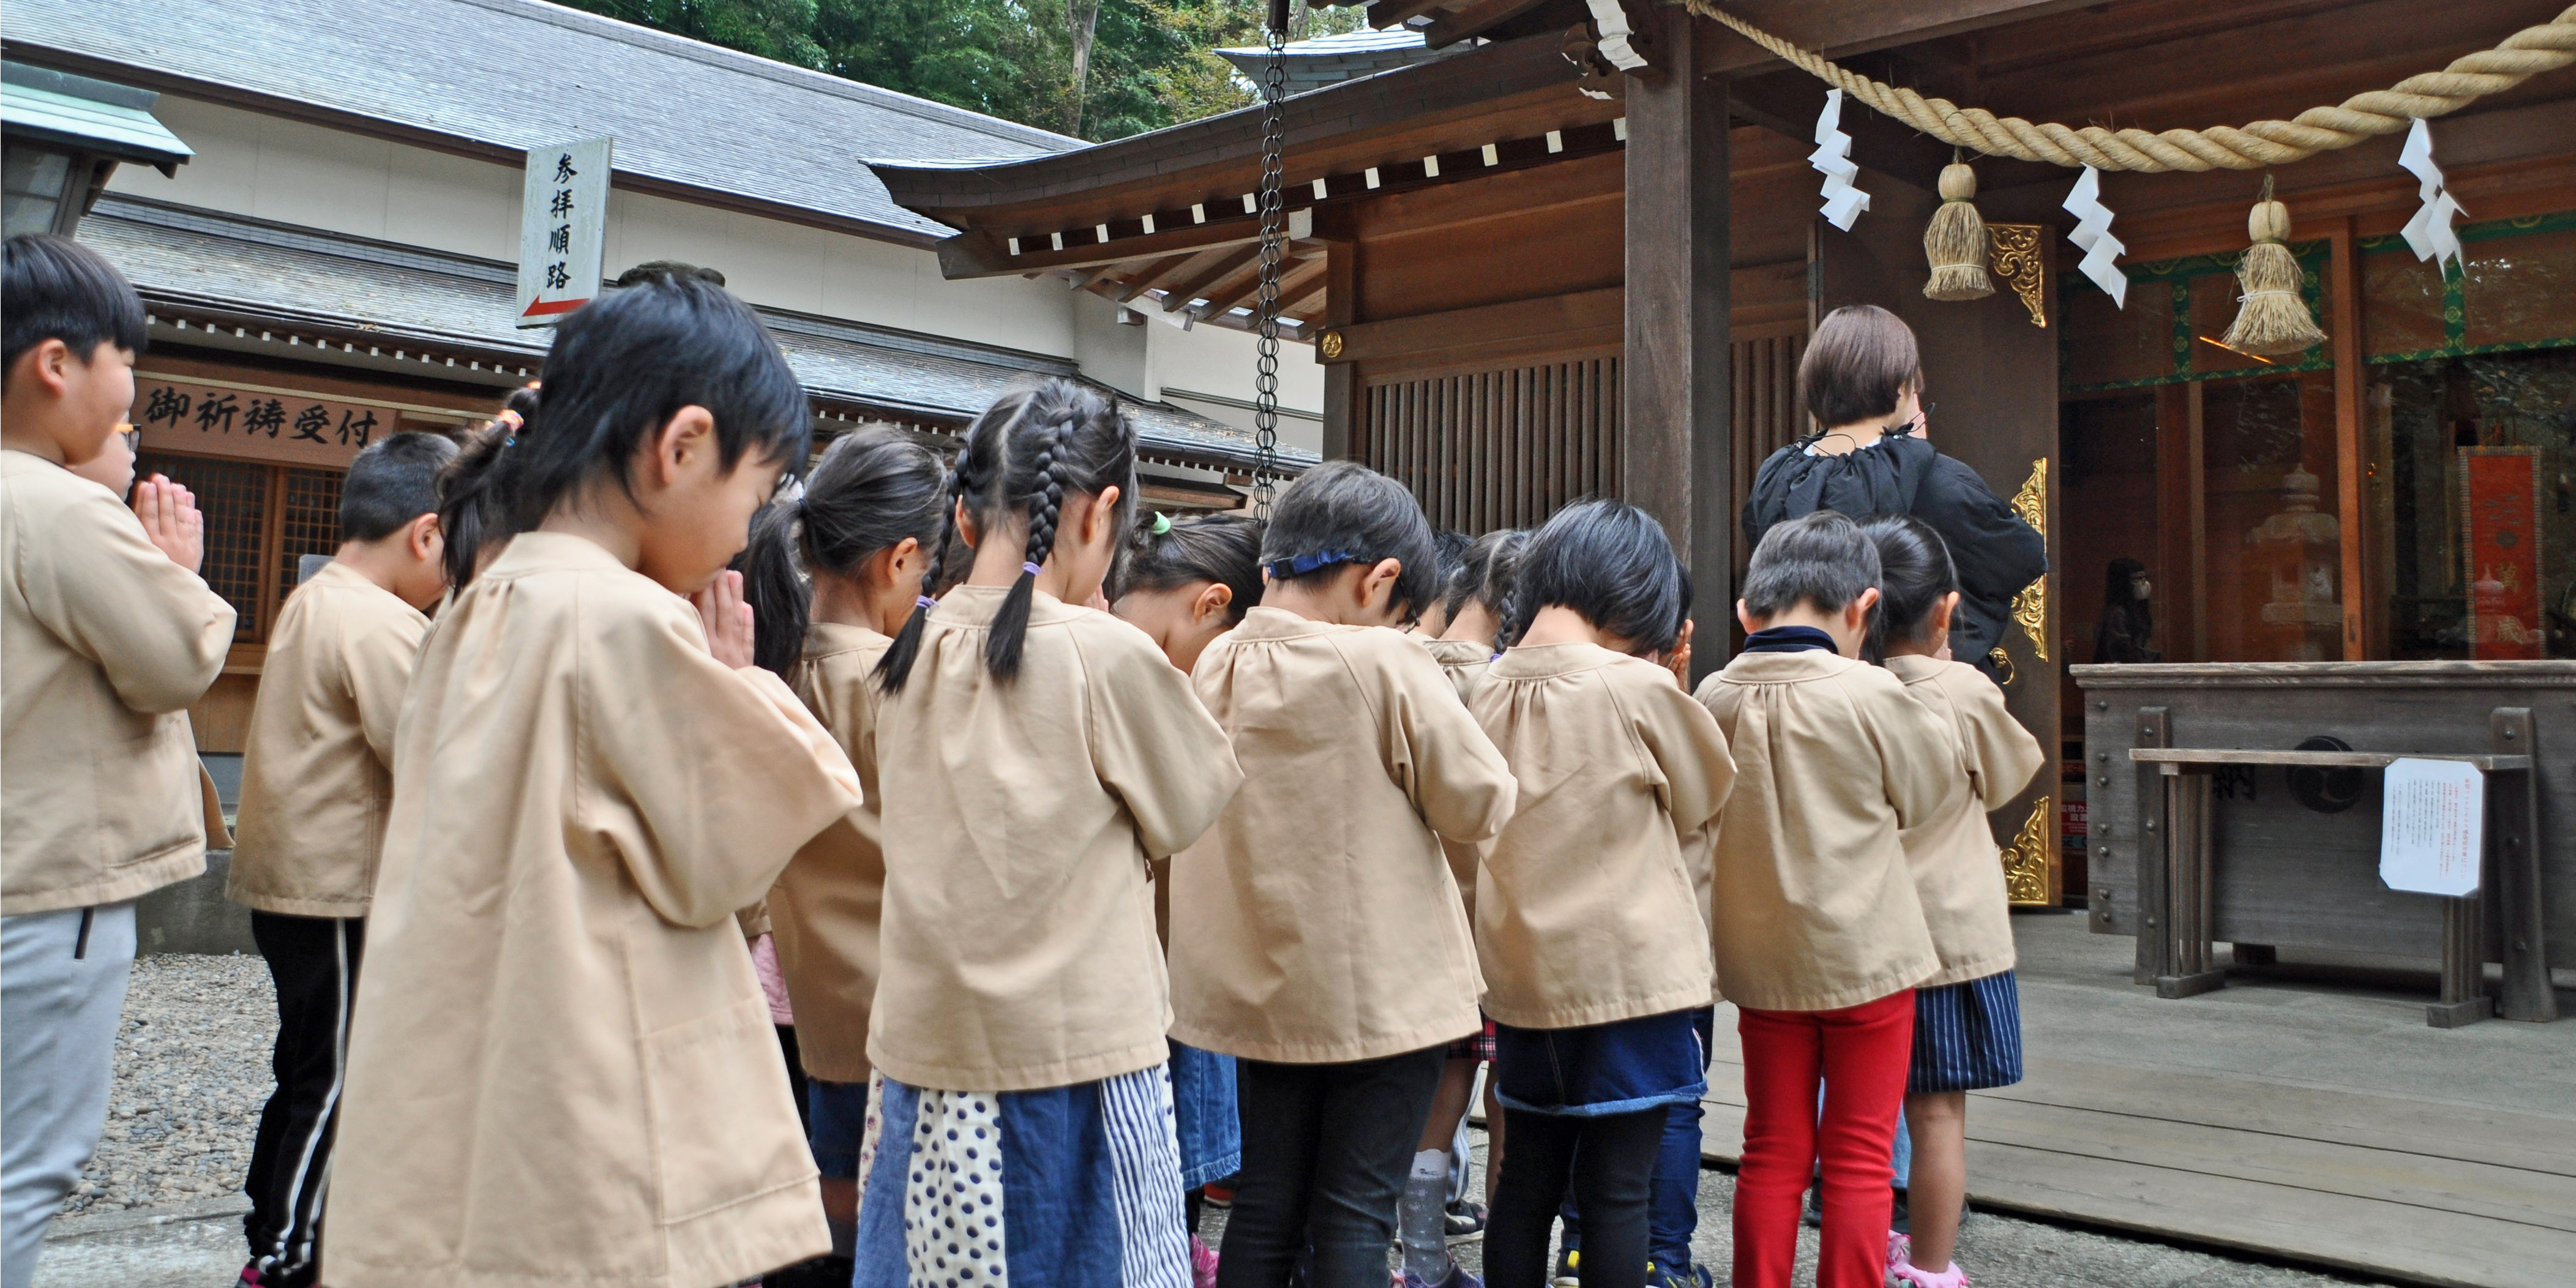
<point>1860,1055</point>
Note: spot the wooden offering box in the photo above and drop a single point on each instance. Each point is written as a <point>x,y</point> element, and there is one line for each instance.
<point>2240,802</point>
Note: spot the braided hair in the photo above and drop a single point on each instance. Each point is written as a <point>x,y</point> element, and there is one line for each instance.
<point>1022,458</point>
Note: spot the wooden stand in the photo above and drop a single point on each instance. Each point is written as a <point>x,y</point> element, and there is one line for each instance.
<point>2175,867</point>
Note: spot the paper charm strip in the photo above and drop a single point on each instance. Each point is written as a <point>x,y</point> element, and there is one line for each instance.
<point>1615,31</point>
<point>2092,231</point>
<point>2429,233</point>
<point>1843,202</point>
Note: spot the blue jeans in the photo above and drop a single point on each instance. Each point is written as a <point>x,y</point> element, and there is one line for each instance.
<point>839,1116</point>
<point>1672,1212</point>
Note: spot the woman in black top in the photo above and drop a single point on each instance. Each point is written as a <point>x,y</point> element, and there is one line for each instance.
<point>1862,379</point>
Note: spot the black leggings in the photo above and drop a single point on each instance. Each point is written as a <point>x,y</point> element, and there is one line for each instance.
<point>1325,1151</point>
<point>1610,1161</point>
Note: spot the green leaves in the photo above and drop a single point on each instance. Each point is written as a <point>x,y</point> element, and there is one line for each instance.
<point>1150,61</point>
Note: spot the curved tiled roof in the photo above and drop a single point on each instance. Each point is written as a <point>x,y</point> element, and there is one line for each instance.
<point>516,74</point>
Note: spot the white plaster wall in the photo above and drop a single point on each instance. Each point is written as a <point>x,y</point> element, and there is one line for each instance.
<point>1215,360</point>
<point>312,176</point>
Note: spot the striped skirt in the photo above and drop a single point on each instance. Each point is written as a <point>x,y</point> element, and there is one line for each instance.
<point>1967,1036</point>
<point>1065,1187</point>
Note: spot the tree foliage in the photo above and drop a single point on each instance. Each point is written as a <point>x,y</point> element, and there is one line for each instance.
<point>1150,62</point>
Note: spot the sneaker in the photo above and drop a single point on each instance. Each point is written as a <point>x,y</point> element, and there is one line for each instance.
<point>1679,1276</point>
<point>1913,1276</point>
<point>1568,1269</point>
<point>1202,1264</point>
<point>1456,1278</point>
<point>1814,1213</point>
<point>1466,1221</point>
<point>1219,1193</point>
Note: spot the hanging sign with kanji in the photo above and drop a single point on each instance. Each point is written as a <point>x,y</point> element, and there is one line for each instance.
<point>177,416</point>
<point>563,229</point>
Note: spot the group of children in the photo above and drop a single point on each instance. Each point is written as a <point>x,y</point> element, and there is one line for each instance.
<point>1073,910</point>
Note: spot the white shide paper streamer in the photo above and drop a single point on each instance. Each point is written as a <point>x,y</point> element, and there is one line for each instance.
<point>1843,202</point>
<point>2092,231</point>
<point>1613,22</point>
<point>2429,233</point>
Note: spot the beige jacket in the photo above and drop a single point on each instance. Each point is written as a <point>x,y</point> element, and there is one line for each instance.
<point>1465,663</point>
<point>103,644</point>
<point>317,769</point>
<point>1813,906</point>
<point>1018,947</point>
<point>825,909</point>
<point>1318,921</point>
<point>561,1067</point>
<point>1587,906</point>
<point>1957,872</point>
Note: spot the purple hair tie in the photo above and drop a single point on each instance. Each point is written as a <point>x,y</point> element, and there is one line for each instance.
<point>1029,568</point>
<point>925,603</point>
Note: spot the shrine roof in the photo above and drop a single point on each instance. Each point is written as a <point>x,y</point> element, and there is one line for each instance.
<point>497,77</point>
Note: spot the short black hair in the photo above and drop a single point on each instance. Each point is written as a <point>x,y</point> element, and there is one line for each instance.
<point>1452,546</point>
<point>1487,573</point>
<point>1858,367</point>
<point>1914,572</point>
<point>1820,560</point>
<point>1343,512</point>
<point>1612,563</point>
<point>62,290</point>
<point>1222,548</point>
<point>392,483</point>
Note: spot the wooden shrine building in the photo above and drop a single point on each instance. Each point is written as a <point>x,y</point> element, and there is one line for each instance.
<point>1532,278</point>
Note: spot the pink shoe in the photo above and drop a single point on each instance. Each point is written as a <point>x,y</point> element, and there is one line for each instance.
<point>1202,1264</point>
<point>1900,1250</point>
<point>1914,1276</point>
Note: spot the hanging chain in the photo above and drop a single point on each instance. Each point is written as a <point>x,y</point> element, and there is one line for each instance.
<point>1274,145</point>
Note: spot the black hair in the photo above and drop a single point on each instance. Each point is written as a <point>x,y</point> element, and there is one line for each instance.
<point>1343,512</point>
<point>1487,573</point>
<point>1914,572</point>
<point>653,268</point>
<point>872,489</point>
<point>1612,563</point>
<point>1023,457</point>
<point>1222,548</point>
<point>1819,559</point>
<point>621,367</point>
<point>53,289</point>
<point>466,510</point>
<point>1451,545</point>
<point>392,483</point>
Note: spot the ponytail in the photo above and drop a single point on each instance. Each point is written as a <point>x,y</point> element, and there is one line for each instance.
<point>896,666</point>
<point>1046,508</point>
<point>470,487</point>
<point>872,490</point>
<point>780,601</point>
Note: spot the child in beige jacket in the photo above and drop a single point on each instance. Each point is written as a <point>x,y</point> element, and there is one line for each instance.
<point>1967,1017</point>
<point>831,574</point>
<point>562,1066</point>
<point>1317,933</point>
<point>317,782</point>
<point>1595,950</point>
<point>1819,934</point>
<point>106,635</point>
<point>1038,756</point>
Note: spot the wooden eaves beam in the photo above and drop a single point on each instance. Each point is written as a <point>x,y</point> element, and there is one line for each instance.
<point>1152,275</point>
<point>1395,13</point>
<point>1178,294</point>
<point>1474,20</point>
<point>1234,295</point>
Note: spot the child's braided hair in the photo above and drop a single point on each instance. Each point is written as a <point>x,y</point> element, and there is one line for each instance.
<point>1022,457</point>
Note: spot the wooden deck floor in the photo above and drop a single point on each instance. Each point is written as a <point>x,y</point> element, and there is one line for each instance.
<point>2295,1118</point>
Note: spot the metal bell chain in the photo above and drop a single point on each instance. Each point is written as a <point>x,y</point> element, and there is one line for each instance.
<point>1274,144</point>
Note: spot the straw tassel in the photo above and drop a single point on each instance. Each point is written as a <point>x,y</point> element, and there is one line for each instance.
<point>1956,240</point>
<point>2274,317</point>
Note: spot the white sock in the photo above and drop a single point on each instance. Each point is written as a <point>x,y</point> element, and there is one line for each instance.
<point>1420,1218</point>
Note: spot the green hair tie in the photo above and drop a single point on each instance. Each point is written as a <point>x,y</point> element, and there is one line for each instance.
<point>1162,524</point>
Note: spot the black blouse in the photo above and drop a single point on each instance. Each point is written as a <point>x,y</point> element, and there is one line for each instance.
<point>1996,553</point>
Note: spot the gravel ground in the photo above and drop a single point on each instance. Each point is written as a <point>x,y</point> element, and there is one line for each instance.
<point>191,1076</point>
<point>192,1073</point>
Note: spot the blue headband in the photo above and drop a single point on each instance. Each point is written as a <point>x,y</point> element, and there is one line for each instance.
<point>1283,569</point>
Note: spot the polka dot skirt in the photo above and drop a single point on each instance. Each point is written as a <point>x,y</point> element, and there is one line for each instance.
<point>952,1210</point>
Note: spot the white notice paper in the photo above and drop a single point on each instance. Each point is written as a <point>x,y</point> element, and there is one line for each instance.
<point>2432,827</point>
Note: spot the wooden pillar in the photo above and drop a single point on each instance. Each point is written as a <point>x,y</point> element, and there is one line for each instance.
<point>2350,378</point>
<point>1675,384</point>
<point>1341,308</point>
